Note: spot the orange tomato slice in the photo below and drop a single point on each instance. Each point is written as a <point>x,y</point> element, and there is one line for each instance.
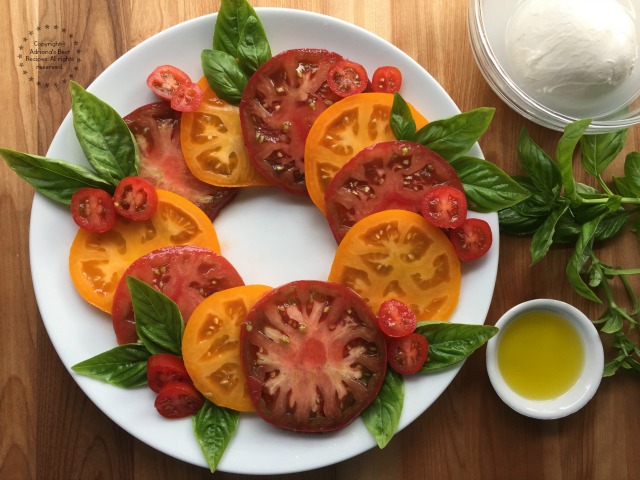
<point>98,260</point>
<point>341,131</point>
<point>399,254</point>
<point>212,143</point>
<point>211,348</point>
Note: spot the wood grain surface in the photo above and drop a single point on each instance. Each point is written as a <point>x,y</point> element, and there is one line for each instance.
<point>50,430</point>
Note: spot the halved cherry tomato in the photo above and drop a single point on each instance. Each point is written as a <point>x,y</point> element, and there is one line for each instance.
<point>399,254</point>
<point>163,368</point>
<point>347,78</point>
<point>98,260</point>
<point>92,209</point>
<point>407,354</point>
<point>396,319</point>
<point>156,128</point>
<point>279,104</point>
<point>445,206</point>
<point>386,79</point>
<point>472,239</point>
<point>212,143</point>
<point>187,97</point>
<point>178,400</point>
<point>211,350</point>
<point>384,176</point>
<point>184,273</point>
<point>344,129</point>
<point>135,199</point>
<point>313,356</point>
<point>165,80</point>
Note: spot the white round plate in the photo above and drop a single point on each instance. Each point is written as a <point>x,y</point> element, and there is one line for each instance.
<point>270,237</point>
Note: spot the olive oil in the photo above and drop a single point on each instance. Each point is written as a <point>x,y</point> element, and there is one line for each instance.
<point>540,355</point>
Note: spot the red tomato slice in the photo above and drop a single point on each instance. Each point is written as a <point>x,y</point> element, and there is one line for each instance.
<point>93,210</point>
<point>386,79</point>
<point>164,368</point>
<point>407,354</point>
<point>156,128</point>
<point>313,355</point>
<point>187,97</point>
<point>280,102</point>
<point>396,319</point>
<point>186,274</point>
<point>165,80</point>
<point>347,78</point>
<point>384,176</point>
<point>178,400</point>
<point>445,206</point>
<point>135,199</point>
<point>472,239</point>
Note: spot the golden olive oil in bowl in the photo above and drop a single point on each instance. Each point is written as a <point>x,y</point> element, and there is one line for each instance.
<point>547,359</point>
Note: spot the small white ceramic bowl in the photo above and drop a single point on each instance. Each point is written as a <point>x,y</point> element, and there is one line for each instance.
<point>578,395</point>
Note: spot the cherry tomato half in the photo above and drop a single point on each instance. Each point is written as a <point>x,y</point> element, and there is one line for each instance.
<point>164,368</point>
<point>187,97</point>
<point>445,206</point>
<point>407,354</point>
<point>165,80</point>
<point>396,319</point>
<point>386,79</point>
<point>472,239</point>
<point>135,199</point>
<point>347,78</point>
<point>178,400</point>
<point>92,209</point>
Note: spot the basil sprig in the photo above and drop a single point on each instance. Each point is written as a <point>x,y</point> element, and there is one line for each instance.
<point>240,46</point>
<point>561,210</point>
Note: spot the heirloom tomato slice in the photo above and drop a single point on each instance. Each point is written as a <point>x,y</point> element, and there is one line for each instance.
<point>156,128</point>
<point>163,368</point>
<point>384,176</point>
<point>313,355</point>
<point>387,79</point>
<point>178,400</point>
<point>407,354</point>
<point>184,273</point>
<point>279,104</point>
<point>345,128</point>
<point>98,260</point>
<point>211,346</point>
<point>399,254</point>
<point>212,143</point>
<point>93,209</point>
<point>472,239</point>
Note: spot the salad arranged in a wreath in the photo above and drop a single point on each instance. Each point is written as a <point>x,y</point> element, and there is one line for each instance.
<point>310,355</point>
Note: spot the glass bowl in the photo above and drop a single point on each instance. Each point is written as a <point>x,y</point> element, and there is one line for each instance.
<point>614,110</point>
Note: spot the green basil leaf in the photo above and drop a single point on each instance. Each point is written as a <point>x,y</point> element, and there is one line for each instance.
<point>450,343</point>
<point>214,428</point>
<point>123,366</point>
<point>401,121</point>
<point>615,321</point>
<point>622,187</point>
<point>598,151</point>
<point>544,174</point>
<point>105,138</point>
<point>568,227</point>
<point>543,237</point>
<point>632,172</point>
<point>488,188</point>
<point>454,136</point>
<point>224,75</point>
<point>232,18</point>
<point>383,415</point>
<point>55,179</point>
<point>611,368</point>
<point>579,258</point>
<point>159,323</point>
<point>253,48</point>
<point>564,155</point>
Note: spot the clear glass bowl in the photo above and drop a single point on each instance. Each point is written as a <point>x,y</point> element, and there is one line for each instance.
<point>487,25</point>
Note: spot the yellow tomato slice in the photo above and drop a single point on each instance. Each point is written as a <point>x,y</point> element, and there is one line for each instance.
<point>399,254</point>
<point>212,144</point>
<point>341,131</point>
<point>211,347</point>
<point>98,260</point>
